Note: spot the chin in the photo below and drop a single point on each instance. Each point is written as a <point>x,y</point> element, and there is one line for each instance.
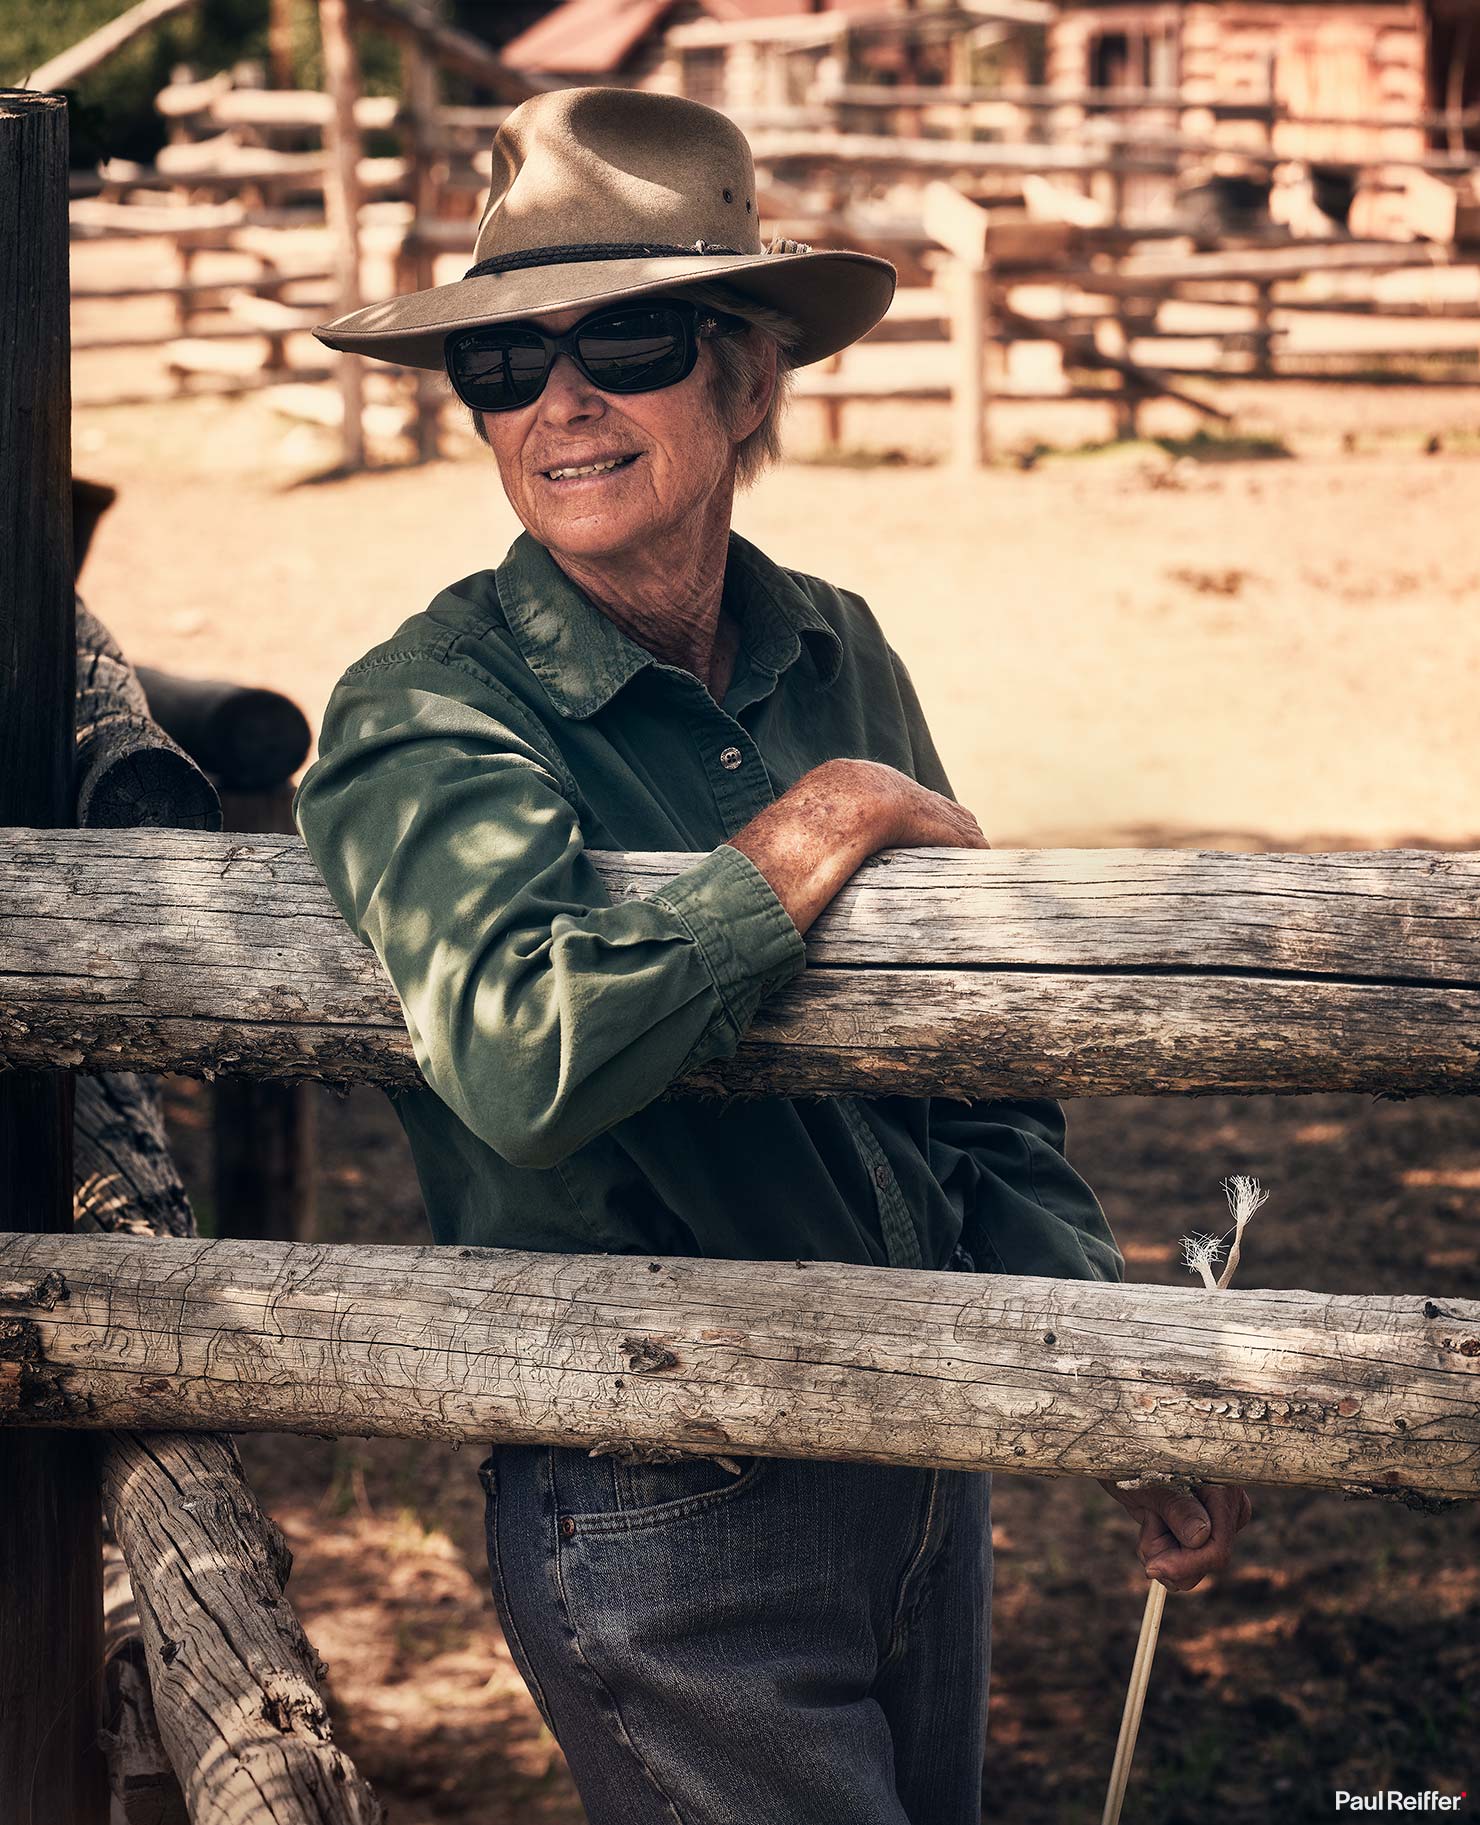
<point>595,535</point>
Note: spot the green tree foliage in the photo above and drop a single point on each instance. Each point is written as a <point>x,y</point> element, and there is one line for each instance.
<point>112,109</point>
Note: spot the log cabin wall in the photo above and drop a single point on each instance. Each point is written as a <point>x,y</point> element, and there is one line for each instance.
<point>1364,59</point>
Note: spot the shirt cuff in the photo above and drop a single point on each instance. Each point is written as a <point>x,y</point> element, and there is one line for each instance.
<point>747,938</point>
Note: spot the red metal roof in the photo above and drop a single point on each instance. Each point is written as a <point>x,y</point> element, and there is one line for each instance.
<point>585,36</point>
<point>596,37</point>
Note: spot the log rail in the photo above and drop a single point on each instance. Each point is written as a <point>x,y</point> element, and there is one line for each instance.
<point>1373,1395</point>
<point>934,972</point>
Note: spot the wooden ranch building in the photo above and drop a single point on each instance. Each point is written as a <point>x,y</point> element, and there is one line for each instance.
<point>1365,62</point>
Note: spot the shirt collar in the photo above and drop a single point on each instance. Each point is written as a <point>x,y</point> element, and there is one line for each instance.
<point>582,658</point>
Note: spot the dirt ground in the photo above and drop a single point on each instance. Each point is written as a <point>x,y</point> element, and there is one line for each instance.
<point>1263,641</point>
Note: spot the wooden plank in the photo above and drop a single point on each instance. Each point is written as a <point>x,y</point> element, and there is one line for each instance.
<point>66,69</point>
<point>955,221</point>
<point>1147,382</point>
<point>92,213</point>
<point>51,1603</point>
<point>263,285</point>
<point>1274,263</point>
<point>777,1358</point>
<point>186,348</point>
<point>1002,972</point>
<point>809,384</point>
<point>299,108</point>
<point>771,146</point>
<point>182,100</point>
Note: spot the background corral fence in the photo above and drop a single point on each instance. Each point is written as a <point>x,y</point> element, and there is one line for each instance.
<point>1041,232</point>
<point>126,951</point>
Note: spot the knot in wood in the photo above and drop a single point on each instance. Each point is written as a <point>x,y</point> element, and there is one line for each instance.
<point>645,1355</point>
<point>44,1293</point>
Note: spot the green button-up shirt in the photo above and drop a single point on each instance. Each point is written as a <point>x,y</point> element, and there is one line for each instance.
<point>467,765</point>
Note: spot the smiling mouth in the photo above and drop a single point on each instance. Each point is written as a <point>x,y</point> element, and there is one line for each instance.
<point>579,471</point>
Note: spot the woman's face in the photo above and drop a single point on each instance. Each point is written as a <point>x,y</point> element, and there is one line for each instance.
<point>673,457</point>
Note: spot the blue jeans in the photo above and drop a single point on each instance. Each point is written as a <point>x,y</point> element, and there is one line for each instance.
<point>801,1643</point>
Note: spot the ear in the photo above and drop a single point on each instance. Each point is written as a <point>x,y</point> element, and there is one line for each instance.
<point>758,401</point>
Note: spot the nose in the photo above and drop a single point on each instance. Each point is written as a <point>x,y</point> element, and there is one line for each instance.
<point>568,396</point>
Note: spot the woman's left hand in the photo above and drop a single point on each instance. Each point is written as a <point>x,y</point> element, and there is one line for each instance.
<point>1184,1535</point>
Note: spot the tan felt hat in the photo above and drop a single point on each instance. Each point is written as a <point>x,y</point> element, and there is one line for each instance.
<point>618,193</point>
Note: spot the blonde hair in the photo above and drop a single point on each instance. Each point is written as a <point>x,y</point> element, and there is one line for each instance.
<point>739,362</point>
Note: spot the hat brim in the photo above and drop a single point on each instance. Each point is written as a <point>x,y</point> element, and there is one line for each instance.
<point>833,298</point>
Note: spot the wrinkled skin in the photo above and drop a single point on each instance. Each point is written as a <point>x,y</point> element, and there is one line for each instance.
<point>1183,1537</point>
<point>647,543</point>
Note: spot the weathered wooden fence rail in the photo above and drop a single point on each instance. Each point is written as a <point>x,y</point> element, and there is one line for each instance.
<point>781,1359</point>
<point>974,973</point>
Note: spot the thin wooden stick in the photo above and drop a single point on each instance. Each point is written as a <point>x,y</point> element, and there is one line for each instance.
<point>1135,1698</point>
<point>1199,1252</point>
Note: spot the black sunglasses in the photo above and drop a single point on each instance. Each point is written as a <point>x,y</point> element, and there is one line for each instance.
<point>625,348</point>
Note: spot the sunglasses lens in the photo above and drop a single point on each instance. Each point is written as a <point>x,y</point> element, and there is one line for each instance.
<point>636,351</point>
<point>497,368</point>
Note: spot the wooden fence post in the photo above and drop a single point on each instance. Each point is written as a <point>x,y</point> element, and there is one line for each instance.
<point>51,1606</point>
<point>421,84</point>
<point>342,206</point>
<point>960,226</point>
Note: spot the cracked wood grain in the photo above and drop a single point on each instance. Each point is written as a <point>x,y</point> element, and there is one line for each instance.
<point>234,1681</point>
<point>1377,1395</point>
<point>214,1692</point>
<point>950,972</point>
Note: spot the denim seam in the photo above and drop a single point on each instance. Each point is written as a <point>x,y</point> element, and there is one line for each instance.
<point>522,1659</point>
<point>620,1731</point>
<point>899,1630</point>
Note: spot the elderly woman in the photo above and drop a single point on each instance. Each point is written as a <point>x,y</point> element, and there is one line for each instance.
<point>712,1640</point>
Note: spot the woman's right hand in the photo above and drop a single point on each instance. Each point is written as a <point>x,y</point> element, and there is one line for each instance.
<point>908,815</point>
<point>819,832</point>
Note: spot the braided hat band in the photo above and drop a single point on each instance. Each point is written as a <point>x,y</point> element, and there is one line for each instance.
<point>609,250</point>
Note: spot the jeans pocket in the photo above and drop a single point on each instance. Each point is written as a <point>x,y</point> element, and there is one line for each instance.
<point>610,1494</point>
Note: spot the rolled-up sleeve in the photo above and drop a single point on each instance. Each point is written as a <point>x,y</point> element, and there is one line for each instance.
<point>540,1011</point>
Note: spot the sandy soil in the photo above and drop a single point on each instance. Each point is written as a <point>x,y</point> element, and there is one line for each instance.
<point>1132,645</point>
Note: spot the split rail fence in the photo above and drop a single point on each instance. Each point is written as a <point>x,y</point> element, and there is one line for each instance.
<point>130,951</point>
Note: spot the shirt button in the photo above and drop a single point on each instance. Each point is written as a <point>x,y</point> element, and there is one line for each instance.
<point>881,1176</point>
<point>731,758</point>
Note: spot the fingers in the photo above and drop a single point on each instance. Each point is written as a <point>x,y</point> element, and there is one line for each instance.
<point>1189,1520</point>
<point>1204,1536</point>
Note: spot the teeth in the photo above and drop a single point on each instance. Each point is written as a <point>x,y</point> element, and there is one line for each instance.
<point>560,475</point>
